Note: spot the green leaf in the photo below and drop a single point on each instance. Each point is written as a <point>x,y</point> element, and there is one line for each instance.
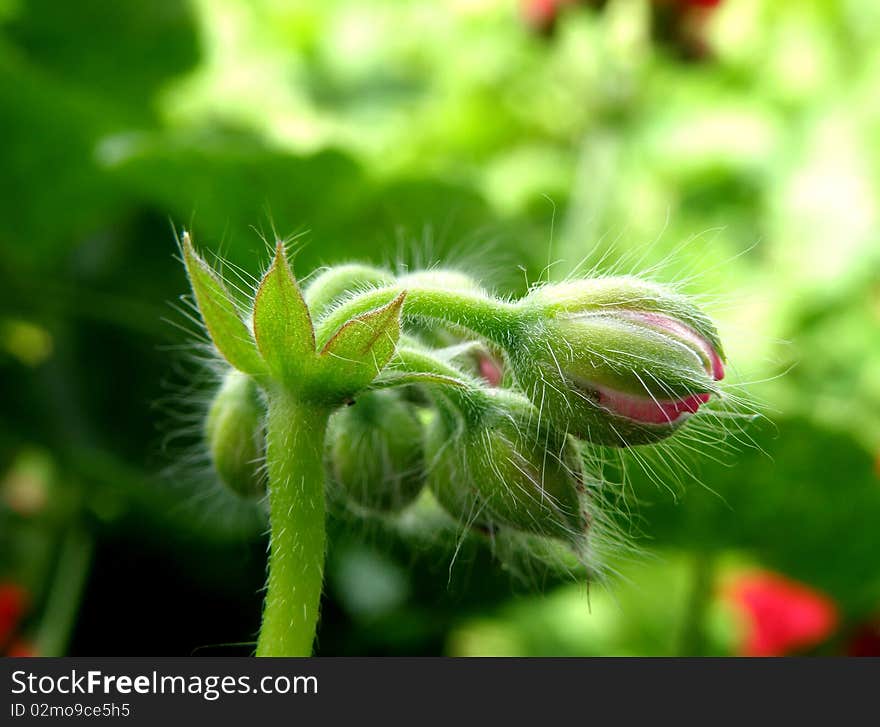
<point>282,324</point>
<point>359,350</point>
<point>228,332</point>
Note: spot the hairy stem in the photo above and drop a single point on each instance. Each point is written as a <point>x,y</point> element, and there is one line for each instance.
<point>493,319</point>
<point>467,394</point>
<point>470,397</point>
<point>295,446</point>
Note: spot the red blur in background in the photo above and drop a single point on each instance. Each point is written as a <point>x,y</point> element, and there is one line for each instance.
<point>782,615</point>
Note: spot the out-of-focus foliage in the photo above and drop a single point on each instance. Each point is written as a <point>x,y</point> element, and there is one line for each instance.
<point>417,131</point>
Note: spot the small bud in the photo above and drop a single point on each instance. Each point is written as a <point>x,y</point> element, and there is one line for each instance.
<point>506,471</point>
<point>375,451</point>
<point>616,361</point>
<point>233,430</point>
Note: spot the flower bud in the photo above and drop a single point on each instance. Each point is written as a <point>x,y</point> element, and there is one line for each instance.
<point>616,361</point>
<point>233,430</point>
<point>375,452</point>
<point>505,471</point>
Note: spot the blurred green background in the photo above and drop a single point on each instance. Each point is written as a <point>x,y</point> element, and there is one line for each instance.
<point>732,147</point>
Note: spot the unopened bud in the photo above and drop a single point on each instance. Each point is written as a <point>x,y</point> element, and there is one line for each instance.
<point>506,471</point>
<point>233,430</point>
<point>375,451</point>
<point>617,361</point>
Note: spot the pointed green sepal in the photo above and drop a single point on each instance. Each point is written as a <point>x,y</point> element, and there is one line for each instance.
<point>226,328</point>
<point>358,351</point>
<point>282,324</point>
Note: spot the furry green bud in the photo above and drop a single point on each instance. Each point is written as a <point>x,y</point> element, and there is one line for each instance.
<point>504,470</point>
<point>375,452</point>
<point>616,361</point>
<point>234,432</point>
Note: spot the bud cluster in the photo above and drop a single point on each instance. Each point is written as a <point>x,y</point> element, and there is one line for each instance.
<point>435,388</point>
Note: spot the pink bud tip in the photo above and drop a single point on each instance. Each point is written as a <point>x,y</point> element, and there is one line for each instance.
<point>490,370</point>
<point>681,331</point>
<point>650,410</point>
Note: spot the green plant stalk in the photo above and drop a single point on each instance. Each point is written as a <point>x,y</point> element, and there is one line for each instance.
<point>295,445</point>
<point>71,574</point>
<point>693,637</point>
<point>468,396</point>
<point>495,320</point>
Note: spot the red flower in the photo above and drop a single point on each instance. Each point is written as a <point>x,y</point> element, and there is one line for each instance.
<point>13,604</point>
<point>13,601</point>
<point>541,15</point>
<point>21,648</point>
<point>687,4</point>
<point>783,615</point>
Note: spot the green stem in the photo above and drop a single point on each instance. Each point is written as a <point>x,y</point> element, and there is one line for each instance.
<point>295,447</point>
<point>410,358</point>
<point>493,319</point>
<point>66,593</point>
<point>469,396</point>
<point>692,642</point>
